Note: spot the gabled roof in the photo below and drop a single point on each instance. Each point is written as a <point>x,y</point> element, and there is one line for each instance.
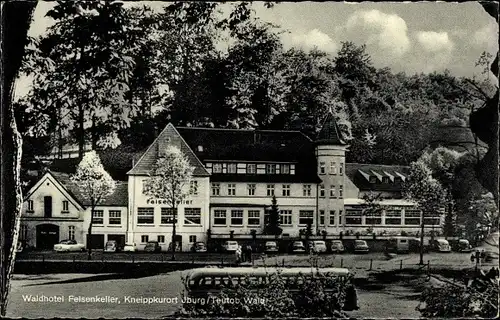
<point>118,198</point>
<point>330,133</point>
<point>360,174</point>
<point>169,136</point>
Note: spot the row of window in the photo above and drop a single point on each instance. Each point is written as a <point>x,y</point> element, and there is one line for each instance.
<point>333,168</point>
<point>161,238</point>
<point>271,190</point>
<point>65,206</point>
<point>250,168</point>
<point>114,217</point>
<point>236,218</point>
<point>146,215</point>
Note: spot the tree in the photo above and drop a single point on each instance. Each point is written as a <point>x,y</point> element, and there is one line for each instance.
<point>95,184</point>
<point>170,180</point>
<point>272,225</point>
<point>426,192</point>
<point>372,207</point>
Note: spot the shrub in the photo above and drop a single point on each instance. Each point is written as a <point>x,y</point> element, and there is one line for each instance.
<point>273,300</point>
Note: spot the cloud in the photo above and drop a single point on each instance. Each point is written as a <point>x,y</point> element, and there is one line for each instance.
<point>432,41</point>
<point>387,31</point>
<point>312,39</point>
<point>487,35</point>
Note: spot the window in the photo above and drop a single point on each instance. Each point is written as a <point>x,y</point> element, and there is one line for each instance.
<point>237,217</point>
<point>322,191</point>
<point>23,234</point>
<point>231,168</point>
<point>65,206</point>
<point>322,217</point>
<point>285,169</point>
<point>286,190</point>
<point>341,192</point>
<point>307,190</point>
<point>30,206</point>
<point>431,221</point>
<point>115,217</point>
<point>251,189</point>
<point>215,189</point>
<point>217,168</point>
<point>161,239</point>
<point>192,216</point>
<point>145,215</point>
<point>253,217</point>
<point>98,217</point>
<point>333,167</point>
<point>332,218</point>
<point>353,220</point>
<point>306,216</point>
<point>71,232</point>
<point>385,179</point>
<point>393,216</point>
<point>340,217</point>
<point>341,169</point>
<point>270,169</point>
<point>200,148</point>
<point>373,179</point>
<point>270,189</point>
<point>144,239</point>
<point>321,168</point>
<point>332,192</point>
<point>220,217</point>
<point>193,187</point>
<point>192,239</point>
<point>373,220</point>
<point>167,215</point>
<point>412,217</point>
<point>231,189</point>
<point>353,216</point>
<point>251,168</point>
<point>286,217</point>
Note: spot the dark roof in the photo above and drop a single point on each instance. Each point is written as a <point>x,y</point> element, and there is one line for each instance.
<point>330,133</point>
<point>254,145</point>
<point>169,136</point>
<point>360,176</point>
<point>118,198</point>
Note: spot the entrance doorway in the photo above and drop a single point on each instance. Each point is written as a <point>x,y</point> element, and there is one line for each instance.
<point>47,235</point>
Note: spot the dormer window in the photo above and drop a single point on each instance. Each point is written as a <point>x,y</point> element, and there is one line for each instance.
<point>373,179</point>
<point>385,179</point>
<point>271,169</point>
<point>200,148</point>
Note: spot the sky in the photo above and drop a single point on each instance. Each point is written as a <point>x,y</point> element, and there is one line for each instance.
<point>409,37</point>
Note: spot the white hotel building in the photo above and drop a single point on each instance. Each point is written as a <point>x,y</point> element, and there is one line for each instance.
<point>236,173</point>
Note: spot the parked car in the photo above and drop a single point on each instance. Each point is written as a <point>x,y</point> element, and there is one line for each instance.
<point>69,245</point>
<point>317,246</point>
<point>230,246</point>
<point>414,245</point>
<point>271,246</point>
<point>441,245</point>
<point>199,247</point>
<point>152,246</point>
<point>129,247</point>
<point>397,245</point>
<point>298,246</point>
<point>361,246</point>
<point>463,245</point>
<point>112,246</point>
<point>337,246</point>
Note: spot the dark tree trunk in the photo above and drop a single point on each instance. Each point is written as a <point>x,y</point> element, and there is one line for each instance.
<point>89,234</point>
<point>15,22</point>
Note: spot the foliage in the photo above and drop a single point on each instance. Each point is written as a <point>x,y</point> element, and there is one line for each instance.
<point>310,300</point>
<point>94,183</point>
<point>452,302</point>
<point>272,225</point>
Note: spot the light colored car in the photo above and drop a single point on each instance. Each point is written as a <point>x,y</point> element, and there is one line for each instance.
<point>69,245</point>
<point>111,246</point>
<point>129,247</point>
<point>361,246</point>
<point>463,245</point>
<point>199,247</point>
<point>317,246</point>
<point>337,246</point>
<point>298,246</point>
<point>441,245</point>
<point>231,246</point>
<point>271,246</point>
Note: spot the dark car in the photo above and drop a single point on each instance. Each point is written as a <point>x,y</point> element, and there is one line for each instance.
<point>152,246</point>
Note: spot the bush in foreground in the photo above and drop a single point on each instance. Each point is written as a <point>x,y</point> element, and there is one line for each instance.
<point>274,300</point>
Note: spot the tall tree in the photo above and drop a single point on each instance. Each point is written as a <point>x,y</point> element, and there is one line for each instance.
<point>95,184</point>
<point>372,207</point>
<point>170,180</point>
<point>426,192</point>
<point>272,224</point>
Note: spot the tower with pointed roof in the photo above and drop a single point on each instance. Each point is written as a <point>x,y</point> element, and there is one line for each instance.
<point>330,148</point>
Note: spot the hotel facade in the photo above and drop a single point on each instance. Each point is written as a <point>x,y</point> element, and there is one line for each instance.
<point>236,174</point>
